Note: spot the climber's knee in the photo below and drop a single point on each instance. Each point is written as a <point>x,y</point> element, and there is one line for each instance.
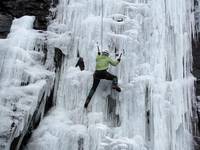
<point>115,80</point>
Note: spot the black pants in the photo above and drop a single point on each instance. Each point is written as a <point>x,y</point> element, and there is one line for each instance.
<point>97,76</point>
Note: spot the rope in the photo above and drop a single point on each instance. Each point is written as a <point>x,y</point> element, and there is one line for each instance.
<point>102,24</point>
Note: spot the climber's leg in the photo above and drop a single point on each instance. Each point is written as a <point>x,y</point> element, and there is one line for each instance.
<point>92,90</point>
<point>109,76</point>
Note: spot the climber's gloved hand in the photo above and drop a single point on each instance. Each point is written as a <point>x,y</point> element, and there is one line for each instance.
<point>118,59</point>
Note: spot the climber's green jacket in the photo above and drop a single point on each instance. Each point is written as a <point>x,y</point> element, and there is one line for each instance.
<point>102,62</point>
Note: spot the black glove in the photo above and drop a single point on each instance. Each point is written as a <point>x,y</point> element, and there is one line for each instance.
<point>118,59</point>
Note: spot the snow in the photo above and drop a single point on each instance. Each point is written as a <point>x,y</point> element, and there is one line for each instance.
<point>23,78</point>
<point>154,108</point>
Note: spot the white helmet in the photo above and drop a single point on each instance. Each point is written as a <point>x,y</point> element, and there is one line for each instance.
<point>105,52</point>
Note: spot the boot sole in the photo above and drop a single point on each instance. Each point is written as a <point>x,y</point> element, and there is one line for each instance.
<point>118,90</point>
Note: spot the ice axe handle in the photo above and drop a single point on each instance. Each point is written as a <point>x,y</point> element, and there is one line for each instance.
<point>120,56</point>
<point>98,49</point>
<point>119,59</point>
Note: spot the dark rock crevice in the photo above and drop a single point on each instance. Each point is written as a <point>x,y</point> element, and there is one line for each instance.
<point>112,115</point>
<point>196,73</point>
<point>58,61</point>
<point>10,9</point>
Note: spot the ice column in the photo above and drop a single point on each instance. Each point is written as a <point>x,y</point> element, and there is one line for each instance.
<point>154,108</point>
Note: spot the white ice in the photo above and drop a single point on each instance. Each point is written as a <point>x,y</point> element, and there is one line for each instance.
<point>23,78</point>
<point>154,110</point>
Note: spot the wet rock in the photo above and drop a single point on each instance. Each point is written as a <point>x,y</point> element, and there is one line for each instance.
<point>113,117</point>
<point>5,23</point>
<point>196,73</point>
<point>58,58</point>
<point>10,9</point>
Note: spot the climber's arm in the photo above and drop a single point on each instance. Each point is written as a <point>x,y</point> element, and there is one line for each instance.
<point>114,62</point>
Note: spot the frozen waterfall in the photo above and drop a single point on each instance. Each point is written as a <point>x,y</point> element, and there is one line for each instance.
<point>24,81</point>
<point>154,109</point>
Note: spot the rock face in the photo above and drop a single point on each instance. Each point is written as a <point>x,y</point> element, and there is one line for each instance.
<point>196,73</point>
<point>5,24</point>
<point>9,9</point>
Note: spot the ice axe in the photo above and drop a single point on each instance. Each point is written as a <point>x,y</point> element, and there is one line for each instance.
<point>123,52</point>
<point>120,56</point>
<point>98,48</point>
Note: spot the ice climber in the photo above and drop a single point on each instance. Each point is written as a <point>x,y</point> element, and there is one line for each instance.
<point>102,64</point>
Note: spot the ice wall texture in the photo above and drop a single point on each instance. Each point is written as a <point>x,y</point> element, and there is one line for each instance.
<point>153,111</point>
<point>24,81</point>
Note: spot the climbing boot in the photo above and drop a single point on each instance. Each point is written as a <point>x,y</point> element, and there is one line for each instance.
<point>117,88</point>
<point>86,103</point>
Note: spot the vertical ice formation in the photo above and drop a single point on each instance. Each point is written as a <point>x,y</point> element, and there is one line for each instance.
<point>197,15</point>
<point>172,89</point>
<point>154,108</point>
<point>24,82</point>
